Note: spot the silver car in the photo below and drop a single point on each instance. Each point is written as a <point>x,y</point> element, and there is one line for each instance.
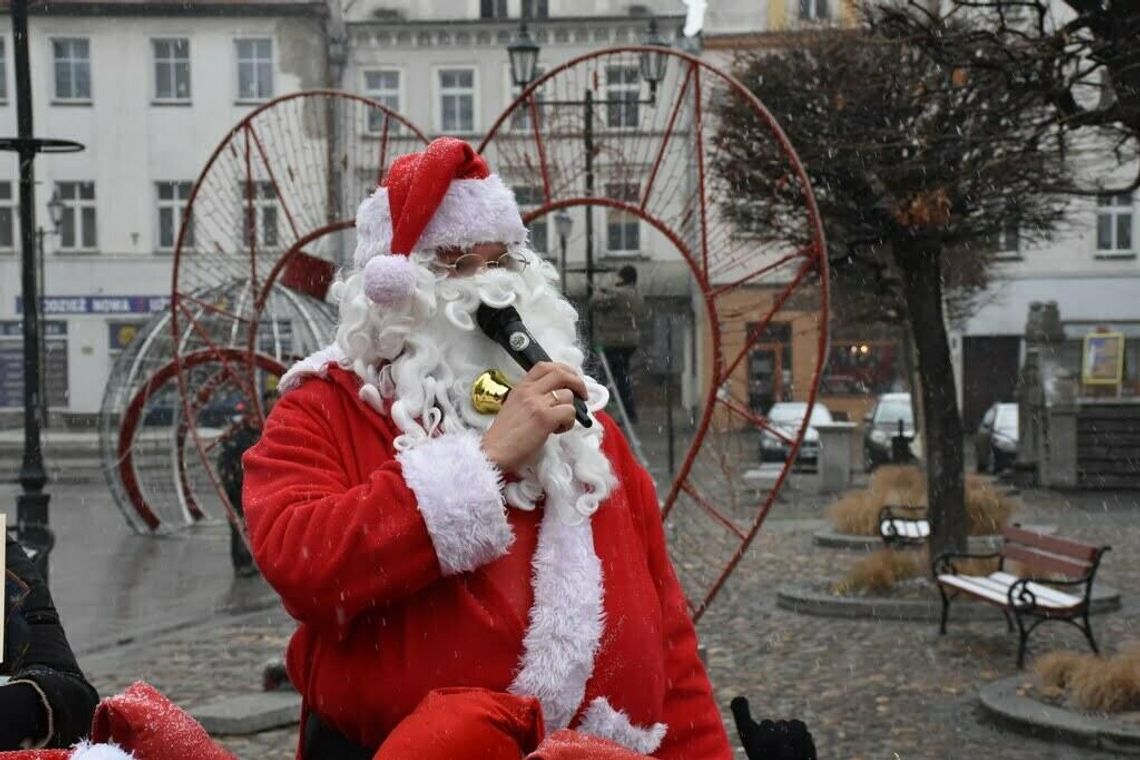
<point>995,442</point>
<point>785,419</point>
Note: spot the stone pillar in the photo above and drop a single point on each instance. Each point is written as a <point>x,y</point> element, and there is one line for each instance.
<point>835,455</point>
<point>1058,465</point>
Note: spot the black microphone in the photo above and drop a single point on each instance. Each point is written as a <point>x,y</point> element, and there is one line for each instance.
<point>505,327</point>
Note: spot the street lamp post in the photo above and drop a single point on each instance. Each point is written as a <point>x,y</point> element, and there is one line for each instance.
<point>563,223</point>
<point>55,213</point>
<point>523,54</point>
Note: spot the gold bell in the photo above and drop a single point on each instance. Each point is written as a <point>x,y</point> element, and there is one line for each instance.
<point>489,391</point>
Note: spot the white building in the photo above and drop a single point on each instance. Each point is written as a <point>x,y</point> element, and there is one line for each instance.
<point>150,90</point>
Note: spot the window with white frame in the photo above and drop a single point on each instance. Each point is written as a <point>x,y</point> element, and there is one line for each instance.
<point>520,117</point>
<point>77,220</point>
<point>814,10</point>
<point>383,86</point>
<point>72,68</point>
<point>492,8</point>
<point>259,214</point>
<point>172,70</point>
<point>749,216</point>
<point>7,218</point>
<point>1006,242</point>
<point>255,69</point>
<point>1115,218</point>
<point>623,89</point>
<point>3,71</point>
<point>173,198</point>
<point>531,197</point>
<point>457,100</point>
<point>623,229</point>
<point>535,8</point>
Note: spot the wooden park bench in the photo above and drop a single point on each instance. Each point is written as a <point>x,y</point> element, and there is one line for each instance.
<point>904,526</point>
<point>1071,565</point>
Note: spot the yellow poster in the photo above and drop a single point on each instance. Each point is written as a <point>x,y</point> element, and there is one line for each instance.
<point>1102,361</point>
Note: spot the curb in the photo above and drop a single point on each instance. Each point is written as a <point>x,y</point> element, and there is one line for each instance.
<point>1002,704</point>
<point>833,539</point>
<point>807,602</point>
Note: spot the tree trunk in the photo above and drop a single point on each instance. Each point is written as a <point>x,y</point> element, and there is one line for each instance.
<point>921,265</point>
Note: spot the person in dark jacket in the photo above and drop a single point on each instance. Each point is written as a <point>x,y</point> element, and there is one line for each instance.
<point>46,701</point>
<point>231,474</point>
<point>618,313</point>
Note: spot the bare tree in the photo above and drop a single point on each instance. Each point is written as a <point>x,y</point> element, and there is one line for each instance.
<point>918,167</point>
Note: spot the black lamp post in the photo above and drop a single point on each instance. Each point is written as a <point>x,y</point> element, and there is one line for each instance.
<point>55,213</point>
<point>523,53</point>
<point>563,223</point>
<point>32,504</point>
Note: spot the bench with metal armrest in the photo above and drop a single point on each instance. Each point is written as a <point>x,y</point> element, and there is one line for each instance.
<point>903,525</point>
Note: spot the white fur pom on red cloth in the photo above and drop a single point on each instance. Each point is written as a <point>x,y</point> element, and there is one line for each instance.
<point>389,281</point>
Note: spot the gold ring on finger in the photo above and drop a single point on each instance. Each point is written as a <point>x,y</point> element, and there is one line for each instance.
<point>555,395</point>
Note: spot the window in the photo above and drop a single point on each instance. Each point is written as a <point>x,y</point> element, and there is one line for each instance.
<point>520,117</point>
<point>3,71</point>
<point>72,69</point>
<point>623,230</point>
<point>813,10</point>
<point>457,100</point>
<point>7,217</point>
<point>383,86</point>
<point>530,197</point>
<point>492,8</point>
<point>255,69</point>
<point>77,222</point>
<point>1005,243</point>
<point>259,214</point>
<point>535,8</point>
<point>172,200</point>
<point>749,216</point>
<point>1114,220</point>
<point>172,70</point>
<point>861,368</point>
<point>623,88</point>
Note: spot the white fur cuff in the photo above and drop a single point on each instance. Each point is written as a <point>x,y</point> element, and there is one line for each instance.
<point>459,494</point>
<point>85,751</point>
<point>603,721</point>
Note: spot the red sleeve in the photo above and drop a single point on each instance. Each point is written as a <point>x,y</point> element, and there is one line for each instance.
<point>332,547</point>
<point>695,726</point>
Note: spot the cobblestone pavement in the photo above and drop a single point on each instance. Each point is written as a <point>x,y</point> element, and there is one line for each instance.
<point>866,689</point>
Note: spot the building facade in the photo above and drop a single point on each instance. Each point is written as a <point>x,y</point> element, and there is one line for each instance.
<point>150,90</point>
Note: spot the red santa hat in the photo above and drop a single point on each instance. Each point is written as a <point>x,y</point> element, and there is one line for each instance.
<point>442,197</point>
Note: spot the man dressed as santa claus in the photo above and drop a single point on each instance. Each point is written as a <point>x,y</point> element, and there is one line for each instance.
<point>423,543</point>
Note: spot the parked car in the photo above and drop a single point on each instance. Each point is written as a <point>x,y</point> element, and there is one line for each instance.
<point>995,442</point>
<point>882,424</point>
<point>221,409</point>
<point>161,408</point>
<point>786,417</point>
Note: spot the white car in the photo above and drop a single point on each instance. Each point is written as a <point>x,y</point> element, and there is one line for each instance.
<point>785,419</point>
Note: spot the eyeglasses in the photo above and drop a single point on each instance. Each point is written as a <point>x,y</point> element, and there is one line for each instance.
<point>472,263</point>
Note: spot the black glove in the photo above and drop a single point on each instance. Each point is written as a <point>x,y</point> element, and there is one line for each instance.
<point>771,740</point>
<point>22,716</point>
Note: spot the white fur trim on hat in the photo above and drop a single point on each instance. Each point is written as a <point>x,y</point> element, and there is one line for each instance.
<point>86,751</point>
<point>605,722</point>
<point>459,493</point>
<point>473,211</point>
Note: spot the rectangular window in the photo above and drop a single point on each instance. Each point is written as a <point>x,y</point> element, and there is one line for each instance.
<point>492,8</point>
<point>539,236</point>
<point>1007,242</point>
<point>383,86</point>
<point>3,71</point>
<point>173,198</point>
<point>255,69</point>
<point>72,69</point>
<point>623,230</point>
<point>172,70</point>
<point>530,197</point>
<point>535,8</point>
<point>7,217</point>
<point>259,215</point>
<point>77,221</point>
<point>861,368</point>
<point>813,10</point>
<point>457,100</point>
<point>1115,219</point>
<point>520,117</point>
<point>623,89</point>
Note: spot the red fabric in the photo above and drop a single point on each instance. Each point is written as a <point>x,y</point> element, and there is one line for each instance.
<point>465,723</point>
<point>417,183</point>
<point>145,723</point>
<point>36,754</point>
<point>571,745</point>
<point>337,532</point>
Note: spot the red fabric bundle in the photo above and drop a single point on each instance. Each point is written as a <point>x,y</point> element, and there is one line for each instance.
<point>145,723</point>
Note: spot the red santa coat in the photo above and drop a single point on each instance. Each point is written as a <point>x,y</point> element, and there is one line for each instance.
<point>406,573</point>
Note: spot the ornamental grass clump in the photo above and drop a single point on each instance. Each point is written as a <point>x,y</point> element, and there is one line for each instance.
<point>881,570</point>
<point>1092,683</point>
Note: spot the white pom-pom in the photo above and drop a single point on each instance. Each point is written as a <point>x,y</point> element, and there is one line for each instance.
<point>389,280</point>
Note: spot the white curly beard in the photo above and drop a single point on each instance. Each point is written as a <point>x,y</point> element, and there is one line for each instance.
<point>418,364</point>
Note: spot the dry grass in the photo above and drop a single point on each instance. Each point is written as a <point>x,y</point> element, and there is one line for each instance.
<point>882,569</point>
<point>1094,684</point>
<point>857,512</point>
